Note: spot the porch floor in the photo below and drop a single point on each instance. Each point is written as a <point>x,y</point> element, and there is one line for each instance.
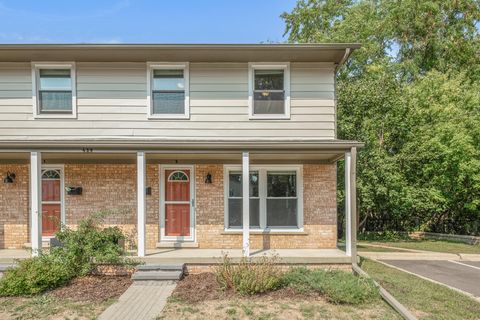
<point>212,256</point>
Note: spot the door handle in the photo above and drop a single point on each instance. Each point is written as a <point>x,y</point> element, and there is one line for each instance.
<point>193,202</point>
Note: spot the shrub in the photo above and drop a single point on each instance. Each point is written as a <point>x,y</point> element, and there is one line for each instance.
<point>249,276</point>
<point>384,236</point>
<point>336,286</point>
<point>81,249</point>
<point>36,275</point>
<point>90,244</point>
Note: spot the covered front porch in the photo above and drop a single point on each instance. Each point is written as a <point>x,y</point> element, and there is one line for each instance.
<point>218,218</point>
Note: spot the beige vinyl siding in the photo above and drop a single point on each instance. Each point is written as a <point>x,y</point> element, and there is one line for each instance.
<point>111,101</point>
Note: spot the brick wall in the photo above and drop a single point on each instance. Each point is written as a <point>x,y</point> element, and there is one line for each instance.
<point>319,212</point>
<point>14,205</point>
<point>113,187</point>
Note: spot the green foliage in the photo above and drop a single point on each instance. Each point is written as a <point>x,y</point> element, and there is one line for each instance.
<point>90,244</point>
<point>81,249</point>
<point>249,277</point>
<point>384,236</point>
<point>411,94</point>
<point>336,286</point>
<point>36,275</point>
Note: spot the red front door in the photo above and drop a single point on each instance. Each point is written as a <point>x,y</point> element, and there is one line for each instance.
<point>51,203</point>
<point>177,203</point>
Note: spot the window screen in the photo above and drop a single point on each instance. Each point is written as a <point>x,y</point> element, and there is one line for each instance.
<point>55,91</point>
<point>282,201</point>
<point>235,206</point>
<point>168,92</point>
<point>269,92</point>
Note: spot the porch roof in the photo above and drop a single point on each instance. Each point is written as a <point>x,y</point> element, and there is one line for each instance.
<point>173,150</point>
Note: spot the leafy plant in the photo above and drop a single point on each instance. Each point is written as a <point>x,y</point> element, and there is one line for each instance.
<point>80,250</point>
<point>336,286</point>
<point>37,274</point>
<point>248,276</point>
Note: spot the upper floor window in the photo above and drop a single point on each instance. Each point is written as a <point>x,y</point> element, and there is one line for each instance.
<point>54,90</point>
<point>168,92</point>
<point>269,91</point>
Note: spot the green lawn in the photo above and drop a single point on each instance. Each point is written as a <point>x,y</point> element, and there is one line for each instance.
<point>428,245</point>
<point>425,299</point>
<point>45,306</point>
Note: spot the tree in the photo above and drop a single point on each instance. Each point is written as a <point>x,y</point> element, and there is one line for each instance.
<point>411,94</point>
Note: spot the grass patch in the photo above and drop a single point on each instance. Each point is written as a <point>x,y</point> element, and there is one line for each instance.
<point>265,307</point>
<point>425,299</point>
<point>47,307</point>
<point>432,245</point>
<point>336,286</point>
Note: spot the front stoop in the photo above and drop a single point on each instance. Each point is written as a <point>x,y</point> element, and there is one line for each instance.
<point>159,272</point>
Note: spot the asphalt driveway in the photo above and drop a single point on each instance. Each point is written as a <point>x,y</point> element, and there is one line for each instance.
<point>463,275</point>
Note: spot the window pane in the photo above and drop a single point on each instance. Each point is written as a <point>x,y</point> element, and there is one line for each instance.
<point>55,101</point>
<point>55,79</point>
<point>282,213</point>
<point>268,79</point>
<point>168,102</point>
<point>268,102</point>
<point>281,184</point>
<point>235,184</point>
<point>168,80</point>
<point>235,213</point>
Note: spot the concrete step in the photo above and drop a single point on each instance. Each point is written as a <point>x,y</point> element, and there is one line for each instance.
<point>157,275</point>
<point>163,267</point>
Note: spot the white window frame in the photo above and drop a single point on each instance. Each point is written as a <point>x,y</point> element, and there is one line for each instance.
<point>36,66</point>
<point>185,66</point>
<point>262,192</point>
<point>252,66</point>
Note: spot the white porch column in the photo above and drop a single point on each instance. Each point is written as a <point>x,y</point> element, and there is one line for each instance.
<point>352,199</point>
<point>36,202</point>
<point>141,207</point>
<point>348,212</point>
<point>246,203</point>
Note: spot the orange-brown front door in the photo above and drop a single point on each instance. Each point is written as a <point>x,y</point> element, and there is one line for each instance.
<point>51,206</point>
<point>177,203</point>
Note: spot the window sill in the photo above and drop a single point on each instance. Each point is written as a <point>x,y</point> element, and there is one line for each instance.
<point>270,117</point>
<point>169,117</point>
<point>55,116</point>
<point>296,232</point>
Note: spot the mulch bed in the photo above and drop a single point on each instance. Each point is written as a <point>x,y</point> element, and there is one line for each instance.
<point>200,287</point>
<point>93,288</point>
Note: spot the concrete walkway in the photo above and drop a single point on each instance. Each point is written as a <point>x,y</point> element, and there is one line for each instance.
<point>143,300</point>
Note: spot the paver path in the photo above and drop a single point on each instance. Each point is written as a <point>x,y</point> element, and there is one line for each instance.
<point>143,300</point>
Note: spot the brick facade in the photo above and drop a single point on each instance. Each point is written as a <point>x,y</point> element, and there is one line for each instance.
<point>14,214</point>
<point>113,187</point>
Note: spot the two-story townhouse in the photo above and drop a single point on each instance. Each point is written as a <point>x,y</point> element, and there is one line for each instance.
<point>172,138</point>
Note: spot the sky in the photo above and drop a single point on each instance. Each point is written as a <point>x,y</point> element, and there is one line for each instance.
<point>142,21</point>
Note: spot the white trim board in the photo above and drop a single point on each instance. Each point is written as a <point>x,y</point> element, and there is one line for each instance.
<point>36,66</point>
<point>185,66</point>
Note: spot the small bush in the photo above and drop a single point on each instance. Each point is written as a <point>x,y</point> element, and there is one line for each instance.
<point>81,249</point>
<point>36,275</point>
<point>336,286</point>
<point>383,236</point>
<point>249,277</point>
<point>90,244</point>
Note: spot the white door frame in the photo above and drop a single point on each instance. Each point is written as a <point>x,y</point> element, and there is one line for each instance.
<point>163,237</point>
<point>61,169</point>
